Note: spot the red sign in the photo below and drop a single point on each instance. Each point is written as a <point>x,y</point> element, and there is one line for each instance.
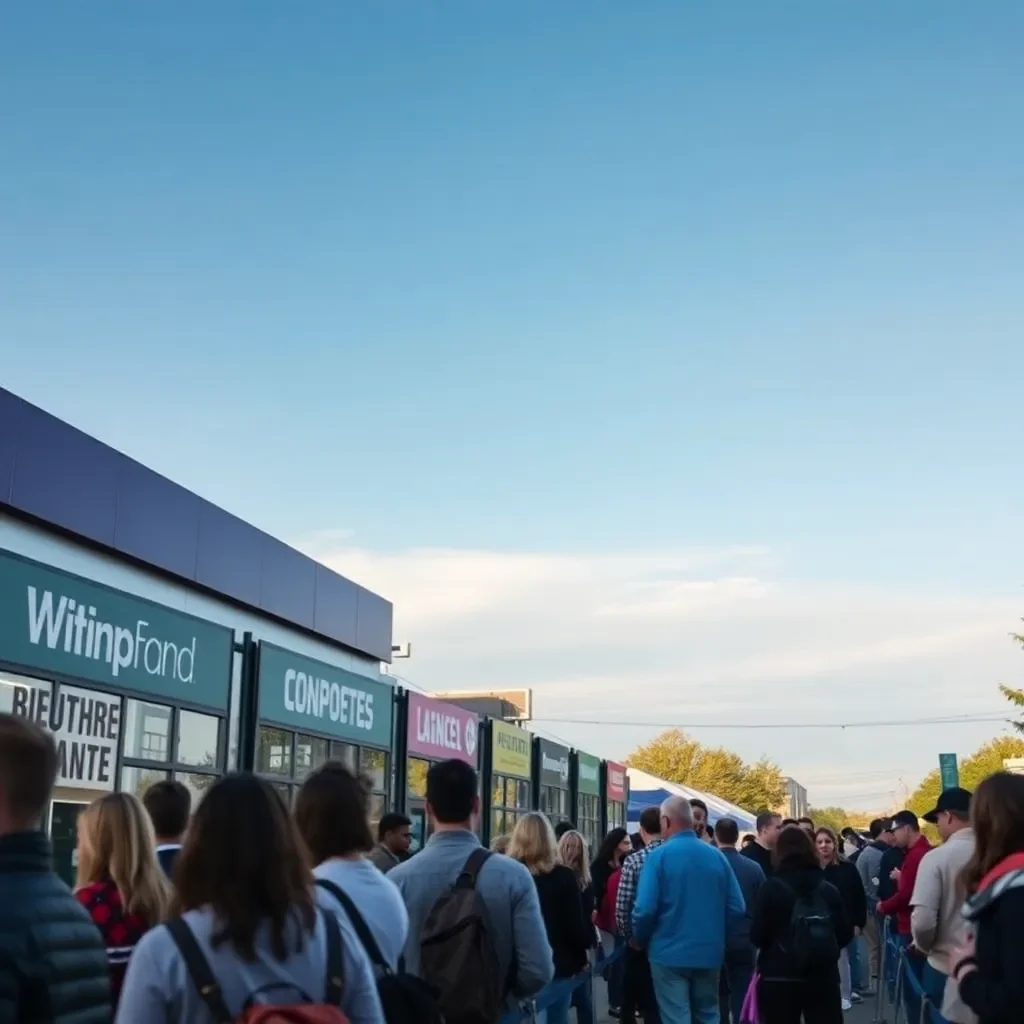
<point>616,788</point>
<point>440,731</point>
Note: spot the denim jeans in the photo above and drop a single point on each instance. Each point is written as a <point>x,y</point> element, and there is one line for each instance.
<point>686,995</point>
<point>858,962</point>
<point>934,984</point>
<point>583,1002</point>
<point>557,1012</point>
<point>735,981</point>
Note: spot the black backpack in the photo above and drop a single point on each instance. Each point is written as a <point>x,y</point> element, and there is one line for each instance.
<point>404,998</point>
<point>811,940</point>
<point>457,953</point>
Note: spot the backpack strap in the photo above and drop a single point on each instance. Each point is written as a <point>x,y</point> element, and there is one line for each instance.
<point>199,970</point>
<point>358,923</point>
<point>335,961</point>
<point>471,869</point>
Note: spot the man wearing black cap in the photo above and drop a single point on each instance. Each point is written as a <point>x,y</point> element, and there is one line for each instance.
<point>892,858</point>
<point>936,922</point>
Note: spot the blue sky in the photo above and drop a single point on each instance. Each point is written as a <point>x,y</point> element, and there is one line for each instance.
<point>479,281</point>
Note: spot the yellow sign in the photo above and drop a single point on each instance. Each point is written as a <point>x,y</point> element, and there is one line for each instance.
<point>511,749</point>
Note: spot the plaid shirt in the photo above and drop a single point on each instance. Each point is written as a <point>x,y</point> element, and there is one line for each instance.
<point>631,868</point>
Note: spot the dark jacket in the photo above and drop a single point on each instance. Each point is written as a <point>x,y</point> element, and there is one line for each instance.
<point>847,882</point>
<point>771,926</point>
<point>761,857</point>
<point>589,904</point>
<point>995,991</point>
<point>53,967</point>
<point>892,858</point>
<point>738,947</point>
<point>167,855</point>
<point>562,910</point>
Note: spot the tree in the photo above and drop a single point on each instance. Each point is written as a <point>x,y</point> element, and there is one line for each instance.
<point>1015,697</point>
<point>834,818</point>
<point>674,756</point>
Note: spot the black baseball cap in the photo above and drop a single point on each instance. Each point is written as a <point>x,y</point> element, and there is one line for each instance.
<point>905,818</point>
<point>954,799</point>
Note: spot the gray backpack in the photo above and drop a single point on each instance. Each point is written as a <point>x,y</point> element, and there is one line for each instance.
<point>457,955</point>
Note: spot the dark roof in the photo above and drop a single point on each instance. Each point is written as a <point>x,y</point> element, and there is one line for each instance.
<point>64,478</point>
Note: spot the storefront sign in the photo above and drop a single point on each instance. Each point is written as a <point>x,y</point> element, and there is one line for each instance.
<point>554,765</point>
<point>440,731</point>
<point>588,774</point>
<point>85,725</point>
<point>616,788</point>
<point>300,693</point>
<point>62,624</point>
<point>511,751</point>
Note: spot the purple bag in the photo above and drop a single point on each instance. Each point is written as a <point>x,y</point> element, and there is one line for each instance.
<point>751,1012</point>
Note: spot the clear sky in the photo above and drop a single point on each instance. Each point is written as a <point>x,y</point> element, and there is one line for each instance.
<point>662,356</point>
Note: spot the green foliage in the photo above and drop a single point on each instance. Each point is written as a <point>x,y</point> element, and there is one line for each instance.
<point>674,756</point>
<point>1015,697</point>
<point>834,818</point>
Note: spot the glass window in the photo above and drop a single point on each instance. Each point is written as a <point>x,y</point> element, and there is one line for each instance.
<point>497,822</point>
<point>285,793</point>
<point>376,811</point>
<point>274,756</point>
<point>196,783</point>
<point>147,731</point>
<point>197,739</point>
<point>375,766</point>
<point>138,780</point>
<point>416,777</point>
<point>310,753</point>
<point>347,753</point>
<point>511,789</point>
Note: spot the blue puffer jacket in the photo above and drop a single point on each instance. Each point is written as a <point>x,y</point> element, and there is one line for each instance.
<point>53,965</point>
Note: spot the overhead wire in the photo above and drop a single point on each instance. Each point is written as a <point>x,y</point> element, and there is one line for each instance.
<point>877,724</point>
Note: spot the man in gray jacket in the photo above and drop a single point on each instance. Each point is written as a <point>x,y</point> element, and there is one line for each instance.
<point>869,867</point>
<point>507,889</point>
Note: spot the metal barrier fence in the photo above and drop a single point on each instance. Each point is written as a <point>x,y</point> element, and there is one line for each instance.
<point>899,988</point>
<point>531,1010</point>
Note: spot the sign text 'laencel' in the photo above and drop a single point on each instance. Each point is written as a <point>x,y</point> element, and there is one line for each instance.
<point>85,725</point>
<point>67,625</point>
<point>308,694</point>
<point>438,730</point>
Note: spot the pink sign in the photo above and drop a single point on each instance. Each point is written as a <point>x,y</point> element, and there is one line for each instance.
<point>616,788</point>
<point>441,731</point>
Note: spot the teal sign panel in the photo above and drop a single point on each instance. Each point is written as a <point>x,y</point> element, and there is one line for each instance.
<point>949,771</point>
<point>56,623</point>
<point>301,693</point>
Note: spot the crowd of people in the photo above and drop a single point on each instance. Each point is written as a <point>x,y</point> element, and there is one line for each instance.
<point>246,910</point>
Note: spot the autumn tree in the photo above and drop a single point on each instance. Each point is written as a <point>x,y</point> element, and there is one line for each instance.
<point>834,818</point>
<point>674,756</point>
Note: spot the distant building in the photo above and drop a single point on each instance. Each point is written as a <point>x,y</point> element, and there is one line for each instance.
<point>796,800</point>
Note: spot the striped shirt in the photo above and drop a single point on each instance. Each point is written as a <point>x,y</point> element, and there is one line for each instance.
<point>631,868</point>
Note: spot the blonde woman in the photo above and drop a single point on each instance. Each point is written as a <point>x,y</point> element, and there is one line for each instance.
<point>574,853</point>
<point>499,844</point>
<point>533,845</point>
<point>120,881</point>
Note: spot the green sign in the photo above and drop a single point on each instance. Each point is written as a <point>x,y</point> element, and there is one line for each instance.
<point>588,774</point>
<point>68,626</point>
<point>301,693</point>
<point>948,771</point>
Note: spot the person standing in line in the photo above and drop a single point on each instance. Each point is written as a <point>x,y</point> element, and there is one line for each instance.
<point>869,866</point>
<point>394,837</point>
<point>936,922</point>
<point>701,825</point>
<point>799,927</point>
<point>987,964</point>
<point>807,824</point>
<point>562,827</point>
<point>332,815</point>
<point>515,926</point>
<point>638,986</point>
<point>53,967</point>
<point>250,933</point>
<point>892,858</point>
<point>533,845</point>
<point>740,954</point>
<point>573,853</point>
<point>687,900</point>
<point>606,872</point>
<point>760,850</point>
<point>120,882</point>
<point>168,804</point>
<point>842,875</point>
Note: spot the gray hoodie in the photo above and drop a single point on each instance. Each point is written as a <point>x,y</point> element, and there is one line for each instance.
<point>869,864</point>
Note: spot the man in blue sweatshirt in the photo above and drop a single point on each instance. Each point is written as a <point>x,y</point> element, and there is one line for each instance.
<point>687,903</point>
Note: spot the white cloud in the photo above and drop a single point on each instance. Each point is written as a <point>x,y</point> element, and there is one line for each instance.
<point>701,635</point>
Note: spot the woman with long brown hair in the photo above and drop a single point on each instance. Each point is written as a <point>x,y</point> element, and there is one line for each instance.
<point>843,875</point>
<point>120,882</point>
<point>249,923</point>
<point>988,964</point>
